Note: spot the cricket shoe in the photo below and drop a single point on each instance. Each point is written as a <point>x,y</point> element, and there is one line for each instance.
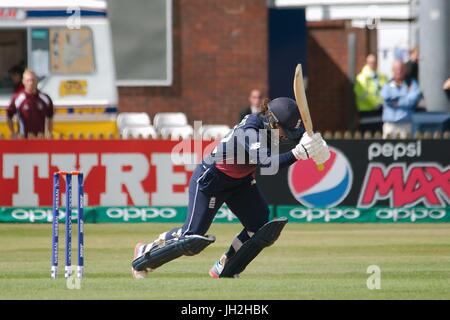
<point>217,268</point>
<point>138,251</point>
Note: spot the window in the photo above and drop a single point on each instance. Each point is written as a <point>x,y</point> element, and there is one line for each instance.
<point>39,52</point>
<point>142,41</point>
<point>62,51</point>
<point>13,54</point>
<point>71,51</point>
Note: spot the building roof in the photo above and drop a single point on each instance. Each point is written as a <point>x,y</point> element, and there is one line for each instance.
<point>339,2</point>
<point>53,4</point>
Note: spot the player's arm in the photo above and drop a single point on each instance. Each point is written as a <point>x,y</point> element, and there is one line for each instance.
<point>10,123</point>
<point>260,154</point>
<point>11,111</point>
<point>49,126</point>
<point>256,146</point>
<point>49,115</point>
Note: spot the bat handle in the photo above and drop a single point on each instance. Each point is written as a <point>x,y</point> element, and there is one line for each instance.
<point>320,166</point>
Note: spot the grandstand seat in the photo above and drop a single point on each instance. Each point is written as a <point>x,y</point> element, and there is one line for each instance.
<point>132,119</point>
<point>144,132</point>
<point>209,132</point>
<point>169,119</point>
<point>177,133</point>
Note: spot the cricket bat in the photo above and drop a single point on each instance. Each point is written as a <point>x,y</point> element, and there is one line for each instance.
<point>302,103</point>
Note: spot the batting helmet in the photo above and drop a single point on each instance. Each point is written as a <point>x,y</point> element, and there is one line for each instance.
<point>284,112</point>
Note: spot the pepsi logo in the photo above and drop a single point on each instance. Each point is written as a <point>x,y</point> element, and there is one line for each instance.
<point>321,189</point>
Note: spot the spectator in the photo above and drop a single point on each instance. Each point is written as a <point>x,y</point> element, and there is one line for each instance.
<point>400,100</point>
<point>368,95</point>
<point>446,88</point>
<point>15,73</point>
<point>255,100</point>
<point>412,66</point>
<point>32,108</point>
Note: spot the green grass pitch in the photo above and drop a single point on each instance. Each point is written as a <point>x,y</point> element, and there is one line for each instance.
<point>314,261</point>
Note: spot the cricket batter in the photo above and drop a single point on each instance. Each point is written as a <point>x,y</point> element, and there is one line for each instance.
<point>227,175</point>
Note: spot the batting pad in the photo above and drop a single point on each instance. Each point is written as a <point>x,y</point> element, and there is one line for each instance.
<point>175,248</point>
<point>264,237</point>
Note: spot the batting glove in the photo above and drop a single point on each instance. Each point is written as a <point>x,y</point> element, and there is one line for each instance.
<point>312,147</point>
<point>320,153</point>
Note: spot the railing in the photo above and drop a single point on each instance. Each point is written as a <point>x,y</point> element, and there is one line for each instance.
<point>357,135</point>
<point>330,135</point>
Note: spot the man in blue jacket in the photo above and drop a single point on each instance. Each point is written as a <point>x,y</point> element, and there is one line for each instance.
<point>400,100</point>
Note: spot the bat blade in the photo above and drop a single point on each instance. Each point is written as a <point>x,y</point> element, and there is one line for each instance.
<point>302,103</point>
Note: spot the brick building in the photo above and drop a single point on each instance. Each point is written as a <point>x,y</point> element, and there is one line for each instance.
<point>220,52</point>
<point>330,91</point>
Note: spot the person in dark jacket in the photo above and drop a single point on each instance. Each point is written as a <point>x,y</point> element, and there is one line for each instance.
<point>412,66</point>
<point>255,99</point>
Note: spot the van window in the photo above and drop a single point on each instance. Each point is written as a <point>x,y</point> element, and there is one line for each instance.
<point>40,52</point>
<point>13,58</point>
<point>60,50</point>
<point>71,51</point>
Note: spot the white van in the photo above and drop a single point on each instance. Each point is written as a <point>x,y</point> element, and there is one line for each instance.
<point>68,44</point>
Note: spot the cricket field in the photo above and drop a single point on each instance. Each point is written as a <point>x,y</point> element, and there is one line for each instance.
<point>309,261</point>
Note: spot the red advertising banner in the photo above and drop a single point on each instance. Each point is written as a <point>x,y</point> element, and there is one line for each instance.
<point>117,172</point>
<point>360,173</point>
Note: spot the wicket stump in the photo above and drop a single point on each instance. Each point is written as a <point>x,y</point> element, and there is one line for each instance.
<point>68,222</point>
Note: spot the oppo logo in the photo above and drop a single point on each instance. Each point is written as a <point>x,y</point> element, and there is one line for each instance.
<point>324,214</point>
<point>410,214</point>
<point>32,215</point>
<point>39,215</point>
<point>143,214</point>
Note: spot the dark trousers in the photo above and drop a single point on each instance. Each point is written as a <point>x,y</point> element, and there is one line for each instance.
<point>209,188</point>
